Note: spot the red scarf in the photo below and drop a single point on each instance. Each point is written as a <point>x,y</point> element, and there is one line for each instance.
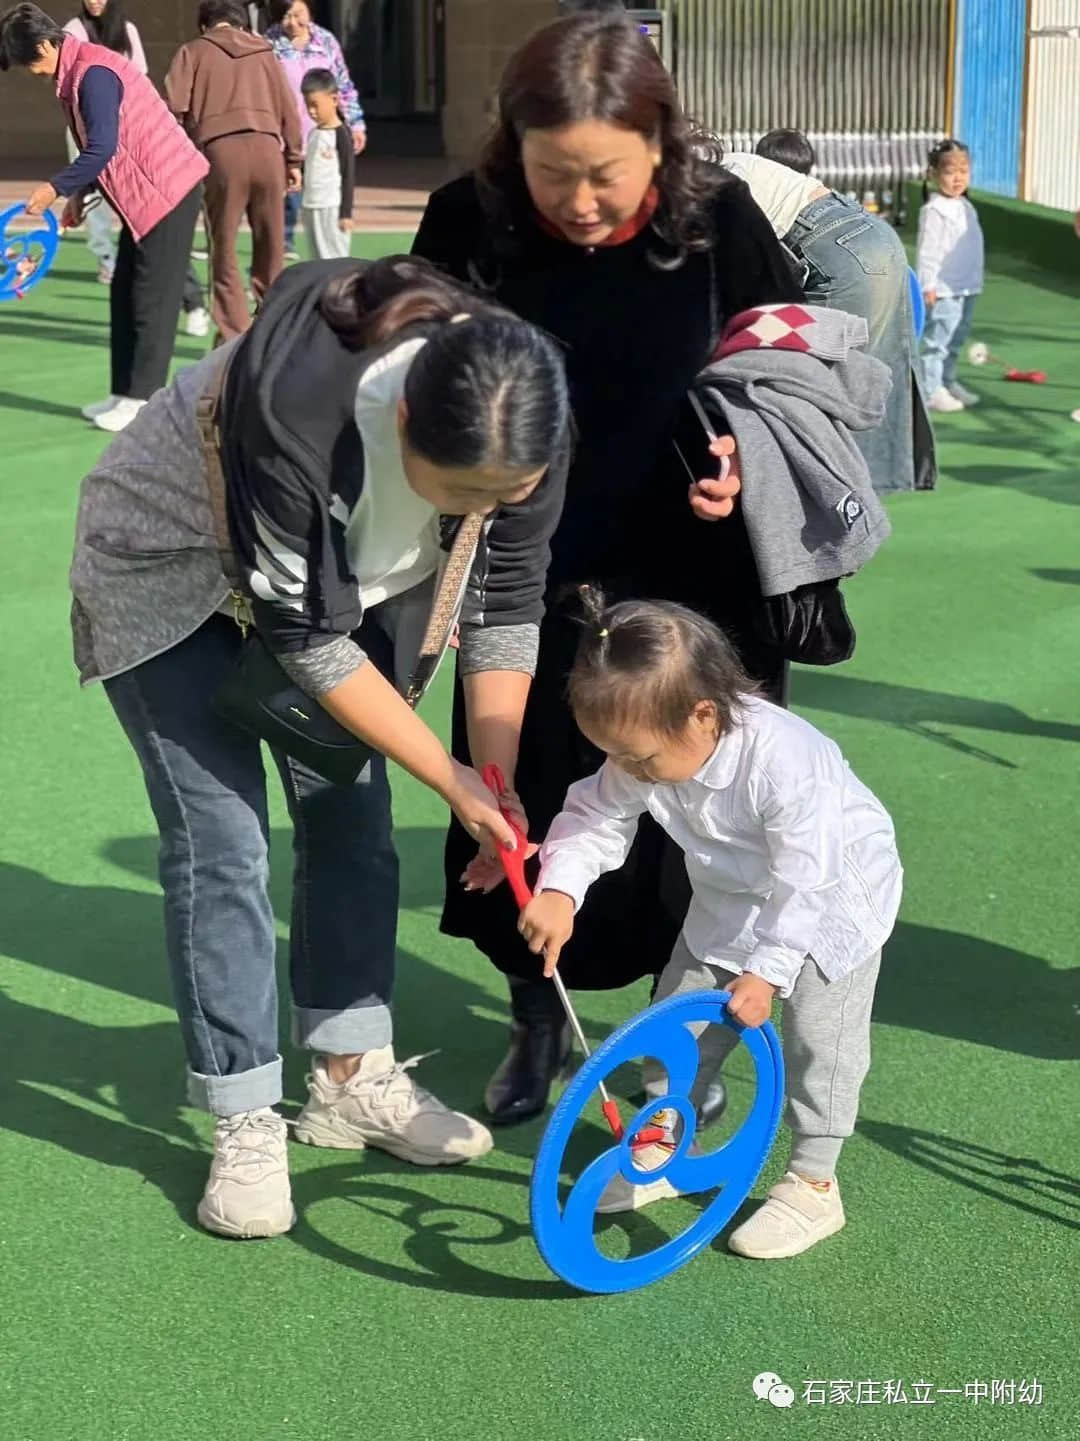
<point>626,231</point>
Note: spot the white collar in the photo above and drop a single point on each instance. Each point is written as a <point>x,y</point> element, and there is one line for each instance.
<point>378,392</point>
<point>719,770</point>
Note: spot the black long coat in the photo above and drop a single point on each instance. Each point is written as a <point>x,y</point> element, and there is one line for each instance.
<point>634,334</point>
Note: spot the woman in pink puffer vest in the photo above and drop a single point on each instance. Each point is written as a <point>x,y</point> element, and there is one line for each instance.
<point>132,151</point>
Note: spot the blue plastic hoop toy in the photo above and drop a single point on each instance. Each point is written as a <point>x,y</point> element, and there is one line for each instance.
<point>565,1236</point>
<point>918,304</point>
<point>19,248</point>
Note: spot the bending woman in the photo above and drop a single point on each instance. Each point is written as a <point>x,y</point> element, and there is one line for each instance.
<point>370,407</point>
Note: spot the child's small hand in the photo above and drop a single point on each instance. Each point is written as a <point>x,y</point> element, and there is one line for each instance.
<point>547,923</point>
<point>344,224</point>
<point>751,999</point>
<point>929,298</point>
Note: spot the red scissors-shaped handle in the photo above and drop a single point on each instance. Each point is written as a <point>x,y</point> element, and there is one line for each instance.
<point>513,863</point>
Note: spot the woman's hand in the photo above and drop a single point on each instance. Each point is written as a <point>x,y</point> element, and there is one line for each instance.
<point>294,179</point>
<point>359,139</point>
<point>41,197</point>
<point>751,999</point>
<point>714,498</point>
<point>547,923</point>
<point>929,298</point>
<point>477,809</point>
<point>74,211</point>
<point>485,871</point>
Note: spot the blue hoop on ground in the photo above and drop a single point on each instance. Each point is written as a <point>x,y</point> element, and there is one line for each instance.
<point>18,247</point>
<point>565,1237</point>
<point>918,304</point>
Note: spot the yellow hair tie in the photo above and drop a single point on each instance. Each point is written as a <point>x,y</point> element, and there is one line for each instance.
<point>603,634</point>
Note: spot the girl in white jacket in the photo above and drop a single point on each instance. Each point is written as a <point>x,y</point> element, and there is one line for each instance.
<point>949,262</point>
<point>793,868</point>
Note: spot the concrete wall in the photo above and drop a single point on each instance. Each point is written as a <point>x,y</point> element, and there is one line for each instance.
<point>480,37</point>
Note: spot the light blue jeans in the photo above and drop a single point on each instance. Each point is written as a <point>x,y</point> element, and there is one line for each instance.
<point>948,325</point>
<point>856,262</point>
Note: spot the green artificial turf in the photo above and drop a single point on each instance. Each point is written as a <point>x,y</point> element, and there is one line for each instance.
<point>411,1304</point>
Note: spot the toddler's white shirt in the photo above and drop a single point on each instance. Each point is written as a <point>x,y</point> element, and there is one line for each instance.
<point>788,853</point>
<point>949,255</point>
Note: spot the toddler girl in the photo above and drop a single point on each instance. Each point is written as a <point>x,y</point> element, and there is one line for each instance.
<point>792,864</point>
<point>949,263</point>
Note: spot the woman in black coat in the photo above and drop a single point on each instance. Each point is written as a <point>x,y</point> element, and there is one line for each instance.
<point>590,216</point>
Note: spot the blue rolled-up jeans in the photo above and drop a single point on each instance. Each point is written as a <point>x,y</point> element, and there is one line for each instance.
<point>207,788</point>
<point>857,263</point>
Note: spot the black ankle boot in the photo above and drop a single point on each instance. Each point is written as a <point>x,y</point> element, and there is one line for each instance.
<point>539,1049</point>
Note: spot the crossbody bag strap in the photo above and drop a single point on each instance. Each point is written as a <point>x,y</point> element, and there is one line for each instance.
<point>445,605</point>
<point>208,415</point>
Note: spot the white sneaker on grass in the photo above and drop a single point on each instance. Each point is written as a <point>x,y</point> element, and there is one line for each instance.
<point>120,416</point>
<point>963,395</point>
<point>794,1217</point>
<point>382,1106</point>
<point>622,1195</point>
<point>248,1194</point>
<point>99,407</point>
<point>197,322</point>
<point>944,401</point>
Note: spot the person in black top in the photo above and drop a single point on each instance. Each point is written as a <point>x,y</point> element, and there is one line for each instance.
<point>590,216</point>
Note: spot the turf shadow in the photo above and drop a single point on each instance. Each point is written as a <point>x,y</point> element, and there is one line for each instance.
<point>49,318</point>
<point>920,711</point>
<point>11,401</point>
<point>1061,577</point>
<point>1048,484</point>
<point>1020,1181</point>
<point>445,1241</point>
<point>948,984</point>
<point>110,1094</point>
<point>1014,267</point>
<point>62,334</point>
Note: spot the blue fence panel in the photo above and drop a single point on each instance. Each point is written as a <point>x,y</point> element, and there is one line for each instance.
<point>990,90</point>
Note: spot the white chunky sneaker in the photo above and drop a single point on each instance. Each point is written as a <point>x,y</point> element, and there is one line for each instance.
<point>942,400</point>
<point>963,395</point>
<point>248,1192</point>
<point>99,407</point>
<point>197,321</point>
<point>621,1195</point>
<point>381,1105</point>
<point>120,416</point>
<point>795,1217</point>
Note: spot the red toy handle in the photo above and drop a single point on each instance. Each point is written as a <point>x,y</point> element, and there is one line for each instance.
<point>513,862</point>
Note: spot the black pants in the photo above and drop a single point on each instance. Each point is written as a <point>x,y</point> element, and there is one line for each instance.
<point>145,297</point>
<point>194,299</point>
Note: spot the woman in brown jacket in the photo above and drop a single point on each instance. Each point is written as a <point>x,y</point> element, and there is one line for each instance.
<point>227,90</point>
